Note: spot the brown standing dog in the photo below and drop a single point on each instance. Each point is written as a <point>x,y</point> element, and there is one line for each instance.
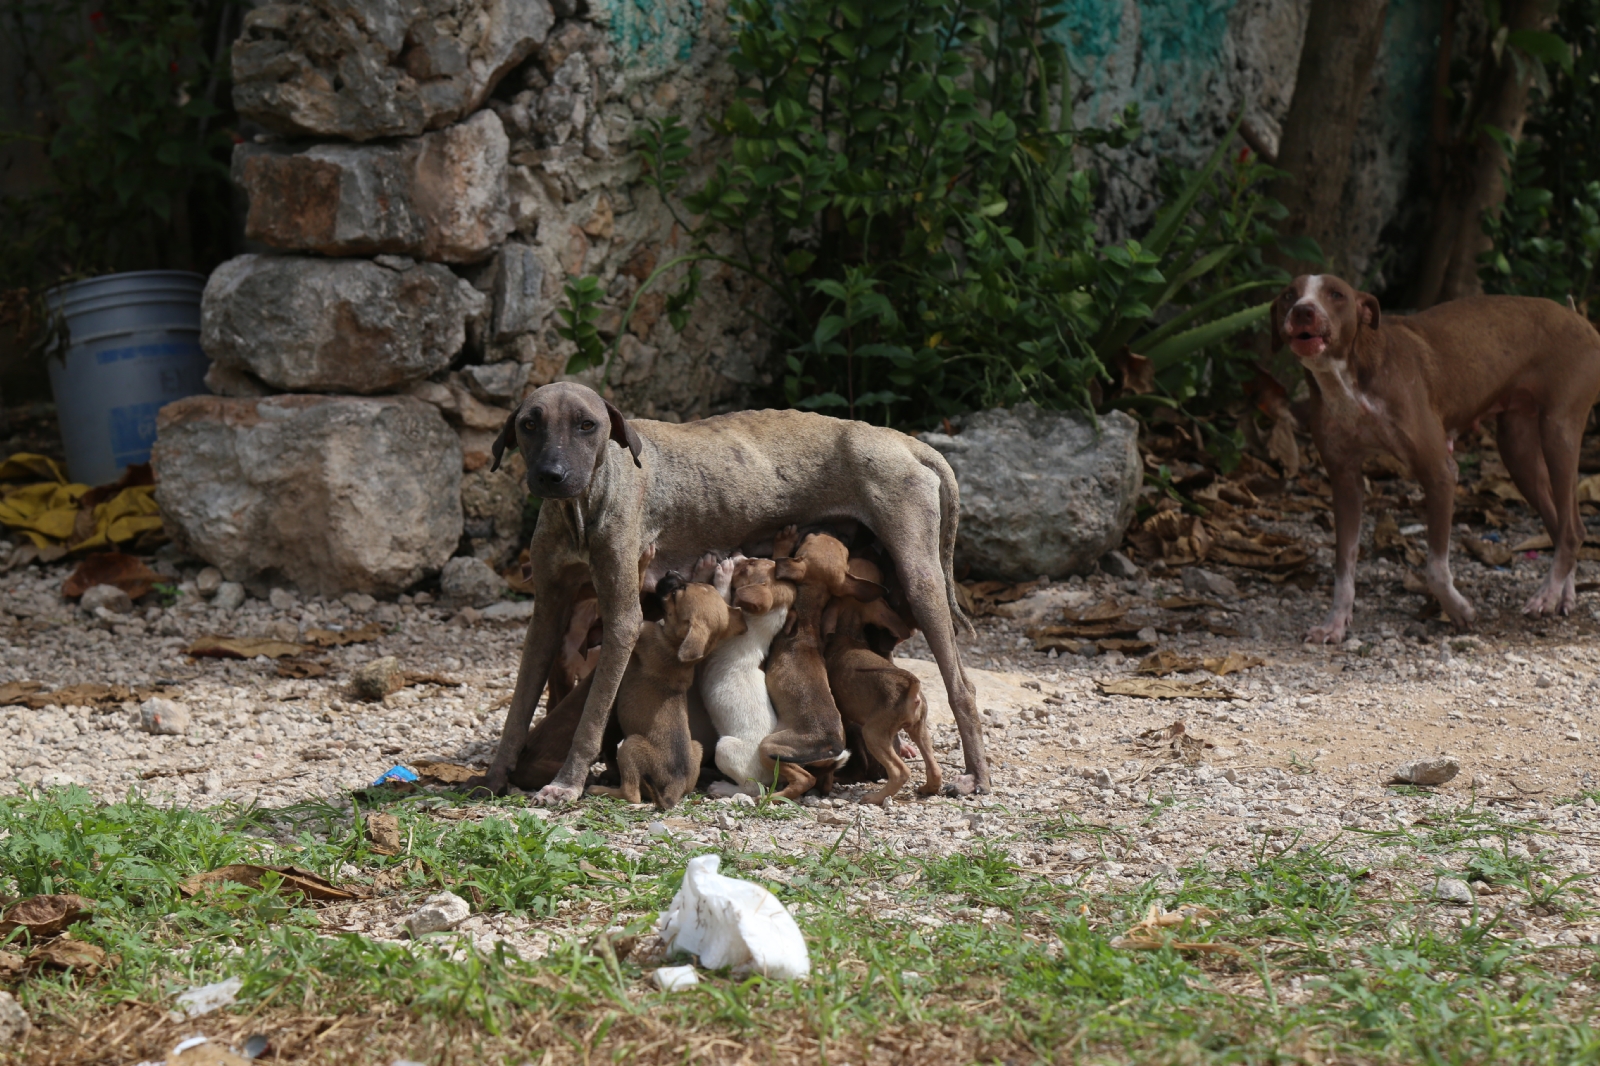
<point>658,757</point>
<point>1408,385</point>
<point>875,695</point>
<point>810,732</point>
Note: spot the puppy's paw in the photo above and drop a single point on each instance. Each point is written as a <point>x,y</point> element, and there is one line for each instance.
<point>704,568</point>
<point>554,795</point>
<point>783,543</point>
<point>906,748</point>
<point>722,575</point>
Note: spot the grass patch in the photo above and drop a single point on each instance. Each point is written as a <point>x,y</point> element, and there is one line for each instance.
<point>1336,957</point>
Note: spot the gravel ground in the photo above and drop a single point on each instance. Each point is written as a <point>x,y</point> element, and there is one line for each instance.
<point>1301,752</point>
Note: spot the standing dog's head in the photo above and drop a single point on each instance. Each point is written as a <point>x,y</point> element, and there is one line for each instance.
<point>1319,317</point>
<point>560,430</point>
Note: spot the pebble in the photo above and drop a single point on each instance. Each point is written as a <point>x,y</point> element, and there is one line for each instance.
<point>509,611</point>
<point>1204,583</point>
<point>1426,771</point>
<point>676,978</point>
<point>358,602</point>
<point>106,597</point>
<point>163,716</point>
<point>1452,890</point>
<point>207,581</point>
<point>229,597</point>
<point>282,600</point>
<point>14,1021</point>
<point>442,911</point>
<point>375,680</point>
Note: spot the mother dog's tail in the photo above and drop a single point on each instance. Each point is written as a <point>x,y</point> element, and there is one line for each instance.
<point>949,518</point>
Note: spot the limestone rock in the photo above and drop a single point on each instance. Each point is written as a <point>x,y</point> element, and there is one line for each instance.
<point>1204,583</point>
<point>440,196</point>
<point>375,680</point>
<point>466,581</point>
<point>229,597</point>
<point>518,291</point>
<point>168,717</point>
<point>444,910</point>
<point>496,383</point>
<point>1426,771</point>
<point>1453,890</point>
<point>208,581</point>
<point>492,502</point>
<point>335,325</point>
<point>110,597</point>
<point>332,494</point>
<point>14,1022</point>
<point>382,68</point>
<point>1042,492</point>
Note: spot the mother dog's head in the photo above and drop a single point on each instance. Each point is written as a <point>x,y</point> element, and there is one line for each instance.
<point>561,431</point>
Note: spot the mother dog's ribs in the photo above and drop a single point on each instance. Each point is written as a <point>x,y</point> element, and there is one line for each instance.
<point>1407,385</point>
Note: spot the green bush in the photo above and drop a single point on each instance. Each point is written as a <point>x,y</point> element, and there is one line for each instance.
<point>905,179</point>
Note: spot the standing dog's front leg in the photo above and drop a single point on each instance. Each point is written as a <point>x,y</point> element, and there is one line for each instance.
<point>1437,472</point>
<point>1347,504</point>
<point>617,585</point>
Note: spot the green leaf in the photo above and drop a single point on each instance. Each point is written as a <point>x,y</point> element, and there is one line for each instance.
<point>1171,350</point>
<point>1544,46</point>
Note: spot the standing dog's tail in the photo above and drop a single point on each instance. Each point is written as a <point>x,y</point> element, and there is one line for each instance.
<point>949,518</point>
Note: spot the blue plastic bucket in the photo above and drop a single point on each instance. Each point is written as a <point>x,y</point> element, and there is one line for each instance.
<point>134,346</point>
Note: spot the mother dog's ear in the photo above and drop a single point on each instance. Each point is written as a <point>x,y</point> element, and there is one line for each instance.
<point>506,439</point>
<point>1367,309</point>
<point>623,433</point>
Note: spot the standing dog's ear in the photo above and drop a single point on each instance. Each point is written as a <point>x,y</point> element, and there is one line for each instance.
<point>1367,309</point>
<point>506,439</point>
<point>623,433</point>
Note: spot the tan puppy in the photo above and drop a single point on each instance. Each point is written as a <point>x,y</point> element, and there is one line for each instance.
<point>658,756</point>
<point>811,733</point>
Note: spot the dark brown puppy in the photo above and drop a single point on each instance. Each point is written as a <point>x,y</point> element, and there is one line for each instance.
<point>551,737</point>
<point>877,696</point>
<point>658,756</point>
<point>811,732</point>
<point>612,485</point>
<point>1408,385</point>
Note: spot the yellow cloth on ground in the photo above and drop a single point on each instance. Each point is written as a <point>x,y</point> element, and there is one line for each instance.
<point>49,510</point>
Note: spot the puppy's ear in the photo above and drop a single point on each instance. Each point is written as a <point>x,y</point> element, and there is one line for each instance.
<point>857,589</point>
<point>757,599</point>
<point>790,569</point>
<point>506,439</point>
<point>1367,309</point>
<point>830,619</point>
<point>696,642</point>
<point>736,623</point>
<point>623,433</point>
<point>879,613</point>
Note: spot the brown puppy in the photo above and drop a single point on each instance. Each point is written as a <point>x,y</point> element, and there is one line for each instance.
<point>811,732</point>
<point>876,695</point>
<point>658,756</point>
<point>1408,385</point>
<point>551,738</point>
<point>580,648</point>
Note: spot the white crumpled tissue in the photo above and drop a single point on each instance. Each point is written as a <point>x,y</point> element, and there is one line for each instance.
<point>728,922</point>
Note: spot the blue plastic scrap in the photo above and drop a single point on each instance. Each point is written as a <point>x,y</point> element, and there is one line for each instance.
<point>395,773</point>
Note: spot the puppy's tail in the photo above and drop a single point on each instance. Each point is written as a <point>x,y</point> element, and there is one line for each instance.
<point>949,519</point>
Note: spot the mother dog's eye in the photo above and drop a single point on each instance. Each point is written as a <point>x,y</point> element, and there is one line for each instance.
<point>530,425</point>
<point>1337,295</point>
<point>588,425</point>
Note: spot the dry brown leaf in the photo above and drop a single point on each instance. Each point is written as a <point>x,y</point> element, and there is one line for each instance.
<point>1104,611</point>
<point>242,648</point>
<point>1184,603</point>
<point>1281,443</point>
<point>327,638</point>
<point>294,879</point>
<point>383,833</point>
<point>1164,689</point>
<point>1232,663</point>
<point>65,953</point>
<point>1538,543</point>
<point>980,598</point>
<point>1146,934</point>
<point>1059,644</point>
<point>32,694</point>
<point>1386,535</point>
<point>1166,662</point>
<point>447,773</point>
<point>18,692</point>
<point>126,572</point>
<point>1174,741</point>
<point>12,966</point>
<point>44,916</point>
<point>1488,552</point>
<point>1589,489</point>
<point>1126,647</point>
<point>300,668</point>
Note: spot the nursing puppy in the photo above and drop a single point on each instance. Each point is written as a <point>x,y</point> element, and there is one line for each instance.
<point>811,732</point>
<point>658,757</point>
<point>732,683</point>
<point>875,695</point>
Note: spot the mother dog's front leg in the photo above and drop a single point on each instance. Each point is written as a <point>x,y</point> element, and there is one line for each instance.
<point>617,587</point>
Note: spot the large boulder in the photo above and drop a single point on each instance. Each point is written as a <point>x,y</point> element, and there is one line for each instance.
<point>1042,492</point>
<point>378,68</point>
<point>335,325</point>
<point>440,196</point>
<point>332,494</point>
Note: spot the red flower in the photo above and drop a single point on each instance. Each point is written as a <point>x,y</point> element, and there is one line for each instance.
<point>1244,155</point>
<point>172,67</point>
<point>97,17</point>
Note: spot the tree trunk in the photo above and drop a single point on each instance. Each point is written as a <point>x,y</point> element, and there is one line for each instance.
<point>1341,44</point>
<point>1473,172</point>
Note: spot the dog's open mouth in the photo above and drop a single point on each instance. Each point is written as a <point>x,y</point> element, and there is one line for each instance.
<point>1307,344</point>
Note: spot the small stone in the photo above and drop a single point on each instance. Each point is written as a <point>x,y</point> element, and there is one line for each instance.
<point>1573,734</point>
<point>1426,771</point>
<point>207,581</point>
<point>659,829</point>
<point>1452,890</point>
<point>509,611</point>
<point>229,597</point>
<point>58,779</point>
<point>107,597</point>
<point>439,912</point>
<point>282,600</point>
<point>1119,565</point>
<point>741,799</point>
<point>211,783</point>
<point>1099,778</point>
<point>375,680</point>
<point>359,602</point>
<point>163,717</point>
<point>470,582</point>
<point>1545,681</point>
<point>1204,583</point>
<point>14,1021</point>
